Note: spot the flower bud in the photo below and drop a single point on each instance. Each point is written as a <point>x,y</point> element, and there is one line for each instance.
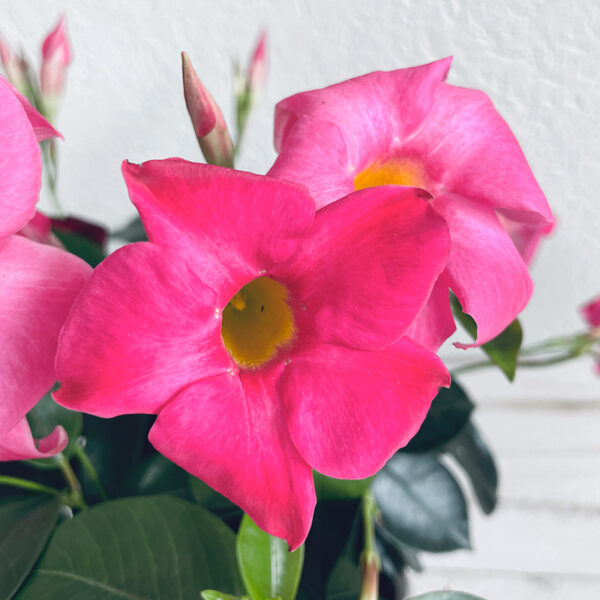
<point>207,119</point>
<point>257,69</point>
<point>15,67</point>
<point>56,56</point>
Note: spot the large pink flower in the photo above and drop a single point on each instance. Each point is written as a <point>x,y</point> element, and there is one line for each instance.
<point>409,127</point>
<point>267,339</point>
<point>38,283</point>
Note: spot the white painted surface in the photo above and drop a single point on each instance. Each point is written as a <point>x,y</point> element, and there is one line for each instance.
<point>538,60</point>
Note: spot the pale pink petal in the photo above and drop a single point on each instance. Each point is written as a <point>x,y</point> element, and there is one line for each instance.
<point>469,150</point>
<point>230,431</point>
<point>39,229</point>
<point>142,329</point>
<point>18,443</point>
<point>525,237</point>
<point>370,110</point>
<point>591,312</point>
<point>348,411</point>
<point>230,225</point>
<point>486,271</point>
<point>316,157</point>
<point>367,267</point>
<point>38,286</point>
<point>41,127</point>
<point>20,163</point>
<point>435,323</point>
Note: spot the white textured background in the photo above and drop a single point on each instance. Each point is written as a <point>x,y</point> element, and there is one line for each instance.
<point>539,63</point>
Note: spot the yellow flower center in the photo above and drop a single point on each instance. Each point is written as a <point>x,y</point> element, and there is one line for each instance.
<point>257,323</point>
<point>395,171</point>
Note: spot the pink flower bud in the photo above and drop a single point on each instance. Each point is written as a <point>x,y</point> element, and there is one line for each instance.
<point>207,118</point>
<point>56,56</point>
<point>257,69</point>
<point>15,66</point>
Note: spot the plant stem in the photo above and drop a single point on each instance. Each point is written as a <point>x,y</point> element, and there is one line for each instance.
<point>88,466</point>
<point>25,484</point>
<point>369,558</point>
<point>76,497</point>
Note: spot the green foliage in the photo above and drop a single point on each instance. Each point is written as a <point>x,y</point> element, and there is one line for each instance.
<point>421,504</point>
<point>504,349</point>
<point>328,488</point>
<point>268,568</point>
<point>155,548</point>
<point>443,595</point>
<point>25,526</point>
<point>345,581</point>
<point>81,246</point>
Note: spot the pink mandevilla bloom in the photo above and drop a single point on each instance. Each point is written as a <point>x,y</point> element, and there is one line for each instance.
<point>409,127</point>
<point>38,283</point>
<point>269,340</point>
<point>591,312</point>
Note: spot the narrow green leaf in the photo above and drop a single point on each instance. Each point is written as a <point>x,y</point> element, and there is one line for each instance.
<point>45,416</point>
<point>328,488</point>
<point>146,548</point>
<point>81,246</point>
<point>503,350</point>
<point>421,504</point>
<point>268,568</point>
<point>215,595</point>
<point>473,455</point>
<point>449,412</point>
<point>25,526</point>
<point>443,595</point>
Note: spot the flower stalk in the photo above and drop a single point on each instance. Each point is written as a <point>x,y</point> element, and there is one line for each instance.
<point>369,559</point>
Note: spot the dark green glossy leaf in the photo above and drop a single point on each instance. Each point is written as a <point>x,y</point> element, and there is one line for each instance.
<point>443,595</point>
<point>421,504</point>
<point>473,455</point>
<point>503,350</point>
<point>147,548</point>
<point>45,416</point>
<point>211,500</point>
<point>25,526</point>
<point>328,488</point>
<point>81,246</point>
<point>449,412</point>
<point>158,475</point>
<point>268,568</point>
<point>345,581</point>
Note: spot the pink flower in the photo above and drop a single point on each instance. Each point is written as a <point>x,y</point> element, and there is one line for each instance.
<point>207,118</point>
<point>38,283</point>
<point>591,312</point>
<point>408,127</point>
<point>56,56</point>
<point>269,340</point>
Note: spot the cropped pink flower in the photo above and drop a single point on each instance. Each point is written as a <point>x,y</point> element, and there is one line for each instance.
<point>38,283</point>
<point>408,127</point>
<point>591,312</point>
<point>267,339</point>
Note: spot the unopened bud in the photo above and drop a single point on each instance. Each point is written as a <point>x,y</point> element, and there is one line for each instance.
<point>257,68</point>
<point>15,67</point>
<point>56,56</point>
<point>207,118</point>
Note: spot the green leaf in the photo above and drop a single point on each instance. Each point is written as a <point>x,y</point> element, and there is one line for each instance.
<point>328,488</point>
<point>44,417</point>
<point>146,548</point>
<point>503,350</point>
<point>421,504</point>
<point>81,246</point>
<point>449,412</point>
<point>25,526</point>
<point>345,581</point>
<point>443,595</point>
<point>158,475</point>
<point>268,568</point>
<point>215,595</point>
<point>211,500</point>
<point>473,455</point>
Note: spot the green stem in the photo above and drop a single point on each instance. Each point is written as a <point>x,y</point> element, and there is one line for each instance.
<point>25,484</point>
<point>370,561</point>
<point>89,468</point>
<point>76,497</point>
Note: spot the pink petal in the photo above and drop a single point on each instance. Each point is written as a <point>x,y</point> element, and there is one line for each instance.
<point>39,229</point>
<point>20,163</point>
<point>41,127</point>
<point>525,237</point>
<point>316,156</point>
<point>348,411</point>
<point>230,225</point>
<point>367,266</point>
<point>230,431</point>
<point>469,150</point>
<point>39,284</point>
<point>435,323</point>
<point>591,312</point>
<point>143,328</point>
<point>18,444</point>
<point>368,108</point>
<point>486,272</point>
